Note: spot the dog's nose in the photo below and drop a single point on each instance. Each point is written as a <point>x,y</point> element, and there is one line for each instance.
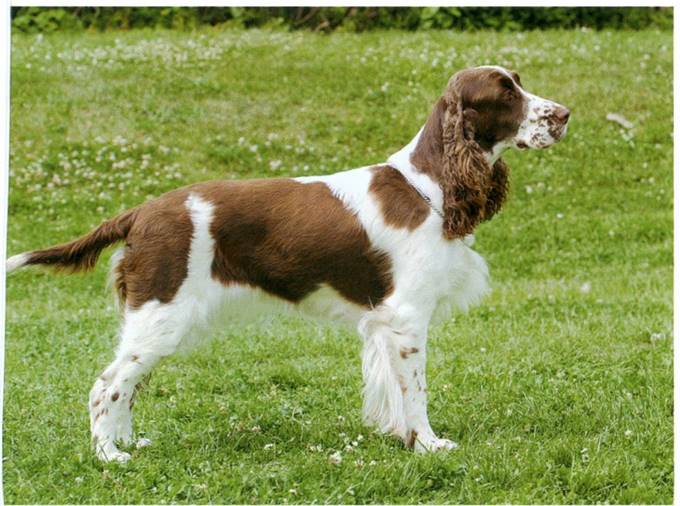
<point>562,114</point>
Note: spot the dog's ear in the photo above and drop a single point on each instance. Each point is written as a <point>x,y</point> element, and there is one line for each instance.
<point>473,189</point>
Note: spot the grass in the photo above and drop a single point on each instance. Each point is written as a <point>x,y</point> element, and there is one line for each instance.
<point>558,387</point>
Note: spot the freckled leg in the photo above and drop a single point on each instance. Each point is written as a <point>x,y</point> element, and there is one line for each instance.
<point>111,401</point>
<point>411,366</point>
<point>147,336</point>
<point>395,389</point>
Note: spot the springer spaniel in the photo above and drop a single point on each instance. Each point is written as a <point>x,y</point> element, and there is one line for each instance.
<point>385,246</point>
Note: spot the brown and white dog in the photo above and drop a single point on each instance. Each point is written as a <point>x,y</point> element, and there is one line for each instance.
<point>385,247</point>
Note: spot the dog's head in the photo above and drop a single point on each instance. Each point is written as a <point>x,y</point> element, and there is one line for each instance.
<point>483,112</point>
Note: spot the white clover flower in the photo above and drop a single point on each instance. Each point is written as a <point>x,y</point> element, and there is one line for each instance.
<point>656,336</point>
<point>335,458</point>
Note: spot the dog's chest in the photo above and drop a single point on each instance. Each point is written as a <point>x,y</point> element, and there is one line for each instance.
<point>460,278</point>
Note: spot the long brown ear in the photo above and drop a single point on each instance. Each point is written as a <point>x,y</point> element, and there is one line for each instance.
<point>473,190</point>
<point>499,189</point>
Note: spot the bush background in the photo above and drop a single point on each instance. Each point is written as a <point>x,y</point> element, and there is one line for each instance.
<point>354,19</point>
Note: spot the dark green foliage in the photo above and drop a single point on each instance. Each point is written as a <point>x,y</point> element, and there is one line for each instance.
<point>353,19</point>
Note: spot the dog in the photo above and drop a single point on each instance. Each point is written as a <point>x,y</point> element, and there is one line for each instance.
<point>385,247</point>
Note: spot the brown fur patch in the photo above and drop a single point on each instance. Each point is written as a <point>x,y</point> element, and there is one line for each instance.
<point>400,203</point>
<point>157,250</point>
<point>405,352</point>
<point>115,396</point>
<point>283,236</point>
<point>411,439</point>
<point>288,238</point>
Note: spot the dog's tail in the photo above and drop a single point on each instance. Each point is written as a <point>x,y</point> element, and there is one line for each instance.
<point>82,253</point>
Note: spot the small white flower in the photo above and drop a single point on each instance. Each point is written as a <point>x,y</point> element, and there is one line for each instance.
<point>529,189</point>
<point>269,446</point>
<point>657,336</point>
<point>483,350</point>
<point>585,287</point>
<point>79,479</point>
<point>628,433</point>
<point>335,458</point>
<point>559,216</point>
<point>143,442</point>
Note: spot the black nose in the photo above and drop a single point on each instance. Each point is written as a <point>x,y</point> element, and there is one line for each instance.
<point>562,114</point>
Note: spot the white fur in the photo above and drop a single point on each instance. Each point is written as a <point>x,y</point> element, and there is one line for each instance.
<point>534,130</point>
<point>16,262</point>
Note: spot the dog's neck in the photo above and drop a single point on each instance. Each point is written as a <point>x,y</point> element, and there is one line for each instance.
<point>401,160</point>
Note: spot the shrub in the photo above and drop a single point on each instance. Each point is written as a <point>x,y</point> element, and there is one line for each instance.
<point>327,19</point>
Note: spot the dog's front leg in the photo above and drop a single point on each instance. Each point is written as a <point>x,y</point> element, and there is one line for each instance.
<point>411,365</point>
<point>395,388</point>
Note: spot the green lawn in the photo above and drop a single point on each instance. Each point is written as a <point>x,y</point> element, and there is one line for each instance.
<point>558,388</point>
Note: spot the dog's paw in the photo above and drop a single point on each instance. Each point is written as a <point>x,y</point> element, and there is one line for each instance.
<point>116,457</point>
<point>434,445</point>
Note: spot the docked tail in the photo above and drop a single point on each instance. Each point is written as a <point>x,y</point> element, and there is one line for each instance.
<point>80,254</point>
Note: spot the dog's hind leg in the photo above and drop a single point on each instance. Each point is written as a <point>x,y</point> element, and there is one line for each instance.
<point>149,333</point>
